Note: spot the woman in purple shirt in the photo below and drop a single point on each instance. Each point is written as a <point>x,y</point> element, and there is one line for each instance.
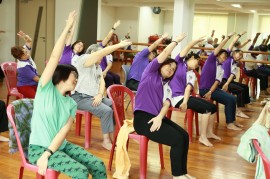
<point>182,85</point>
<point>76,49</point>
<point>141,60</point>
<point>230,72</point>
<point>151,105</point>
<point>27,76</point>
<point>211,76</point>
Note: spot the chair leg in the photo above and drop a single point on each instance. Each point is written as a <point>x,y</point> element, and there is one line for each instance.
<point>112,154</point>
<point>143,156</point>
<point>169,114</point>
<point>161,156</point>
<point>197,124</point>
<point>38,176</point>
<point>190,114</point>
<point>88,125</point>
<point>78,124</point>
<point>128,105</point>
<point>21,172</point>
<point>217,112</point>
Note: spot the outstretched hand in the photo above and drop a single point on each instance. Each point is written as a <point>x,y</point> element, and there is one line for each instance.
<point>200,39</point>
<point>244,32</point>
<point>115,25</point>
<point>125,43</point>
<point>156,123</point>
<point>231,34</point>
<point>165,35</point>
<point>180,37</point>
<point>71,19</point>
<point>23,35</point>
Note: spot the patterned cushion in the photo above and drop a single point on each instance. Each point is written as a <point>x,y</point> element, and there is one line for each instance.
<point>23,109</point>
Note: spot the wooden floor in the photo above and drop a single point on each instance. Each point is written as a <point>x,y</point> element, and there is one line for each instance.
<point>218,162</point>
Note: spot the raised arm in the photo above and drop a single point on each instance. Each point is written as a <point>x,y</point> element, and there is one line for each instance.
<point>109,35</point>
<point>57,50</point>
<point>245,43</point>
<point>235,40</point>
<point>94,57</point>
<point>157,42</point>
<point>186,49</point>
<point>70,34</point>
<point>26,38</point>
<point>213,33</point>
<point>220,46</point>
<point>267,40</point>
<point>255,38</point>
<point>167,51</point>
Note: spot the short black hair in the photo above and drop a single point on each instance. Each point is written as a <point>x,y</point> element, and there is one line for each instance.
<point>168,61</point>
<point>263,48</point>
<point>222,51</point>
<point>62,73</point>
<point>192,54</point>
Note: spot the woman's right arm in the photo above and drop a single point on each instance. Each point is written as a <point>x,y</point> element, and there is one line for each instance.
<point>57,50</point>
<point>109,35</point>
<point>167,51</point>
<point>96,56</point>
<point>186,49</point>
<point>70,34</point>
<point>220,46</point>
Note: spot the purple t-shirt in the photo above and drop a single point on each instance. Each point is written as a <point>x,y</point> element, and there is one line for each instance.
<point>229,66</point>
<point>209,72</point>
<point>103,62</point>
<point>179,81</point>
<point>149,96</point>
<point>26,71</point>
<point>66,55</point>
<point>139,64</point>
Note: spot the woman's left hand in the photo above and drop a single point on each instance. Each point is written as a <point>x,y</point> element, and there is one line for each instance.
<point>97,100</point>
<point>156,123</point>
<point>42,164</point>
<point>183,106</point>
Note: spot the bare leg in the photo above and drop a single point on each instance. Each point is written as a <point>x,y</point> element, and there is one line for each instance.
<point>107,144</point>
<point>240,113</point>
<point>232,126</point>
<point>204,122</point>
<point>210,133</point>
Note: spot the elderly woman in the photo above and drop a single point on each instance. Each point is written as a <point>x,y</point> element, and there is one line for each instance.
<point>27,76</point>
<point>91,87</point>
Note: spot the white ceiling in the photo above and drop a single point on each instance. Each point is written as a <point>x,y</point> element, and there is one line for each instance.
<point>214,6</point>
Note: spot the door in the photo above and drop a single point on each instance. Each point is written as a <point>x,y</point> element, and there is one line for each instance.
<point>35,18</point>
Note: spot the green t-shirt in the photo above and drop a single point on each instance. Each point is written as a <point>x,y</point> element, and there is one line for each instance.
<point>51,112</point>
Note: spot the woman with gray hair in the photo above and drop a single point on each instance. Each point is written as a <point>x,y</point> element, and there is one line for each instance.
<point>91,86</point>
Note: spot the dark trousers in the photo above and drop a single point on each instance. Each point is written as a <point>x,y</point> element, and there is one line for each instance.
<point>228,100</point>
<point>3,117</point>
<point>199,105</point>
<point>257,74</point>
<point>111,78</point>
<point>132,84</point>
<point>264,69</point>
<point>240,90</point>
<point>169,134</point>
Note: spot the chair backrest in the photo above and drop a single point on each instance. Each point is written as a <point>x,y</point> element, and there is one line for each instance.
<point>126,69</point>
<point>266,162</point>
<point>117,94</point>
<point>20,127</point>
<point>10,71</point>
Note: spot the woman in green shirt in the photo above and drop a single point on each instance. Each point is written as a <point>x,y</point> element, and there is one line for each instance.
<point>53,115</point>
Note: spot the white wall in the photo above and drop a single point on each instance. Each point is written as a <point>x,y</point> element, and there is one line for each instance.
<point>168,22</point>
<point>7,21</point>
<point>107,20</point>
<point>62,9</point>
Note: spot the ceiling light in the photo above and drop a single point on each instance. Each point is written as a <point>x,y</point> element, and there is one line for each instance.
<point>237,5</point>
<point>253,11</point>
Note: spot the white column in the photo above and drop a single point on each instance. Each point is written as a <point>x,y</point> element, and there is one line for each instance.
<point>99,21</point>
<point>182,22</point>
<point>253,23</point>
<point>149,24</point>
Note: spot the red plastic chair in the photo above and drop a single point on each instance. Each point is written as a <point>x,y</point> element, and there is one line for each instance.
<point>266,162</point>
<point>117,94</point>
<point>252,80</point>
<point>50,174</point>
<point>189,116</point>
<point>10,71</point>
<point>88,123</point>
